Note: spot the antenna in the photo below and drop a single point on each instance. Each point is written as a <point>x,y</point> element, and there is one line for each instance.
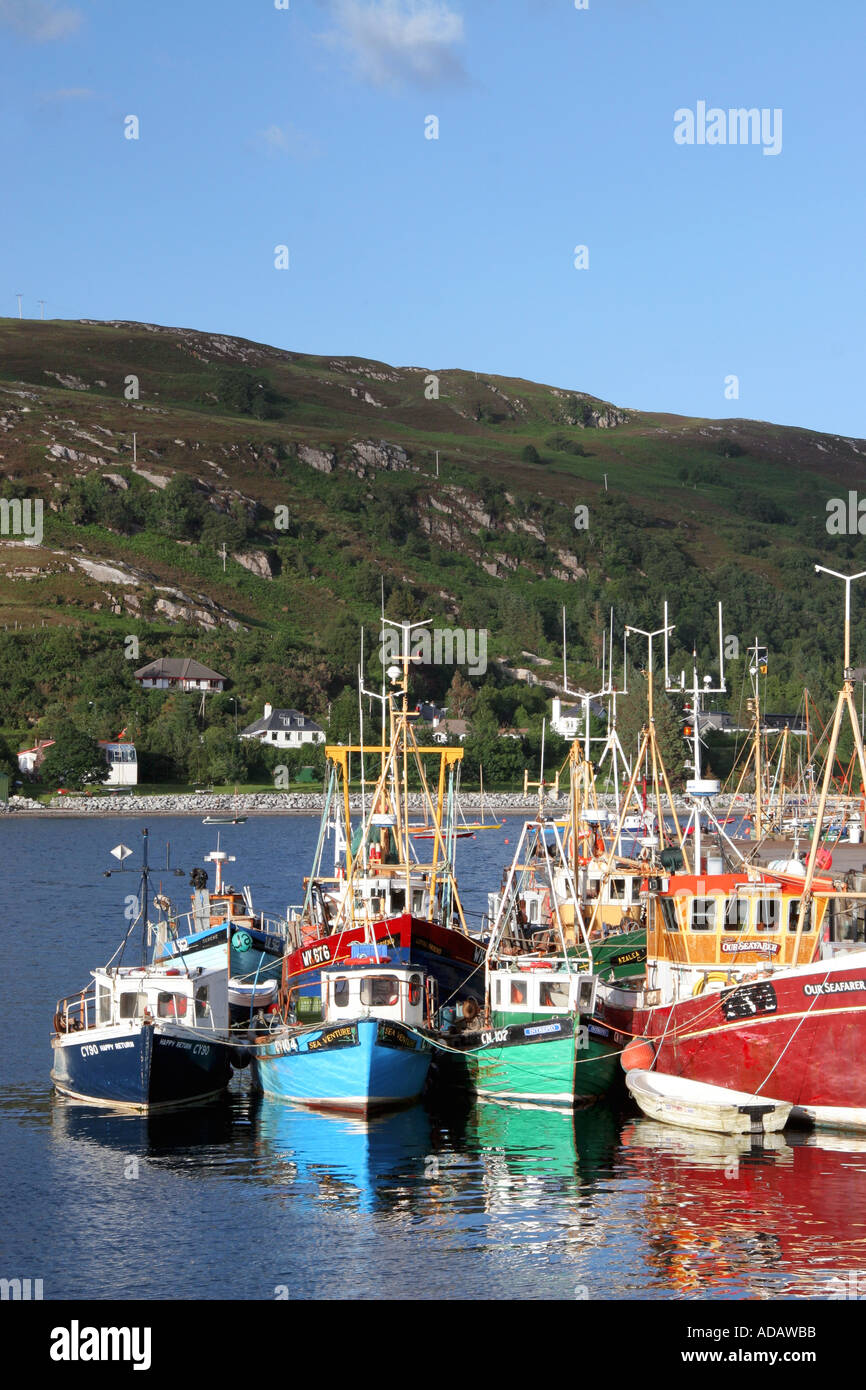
<point>695,787</point>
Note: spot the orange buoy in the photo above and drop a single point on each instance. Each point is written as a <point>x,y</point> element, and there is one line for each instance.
<point>638,1055</point>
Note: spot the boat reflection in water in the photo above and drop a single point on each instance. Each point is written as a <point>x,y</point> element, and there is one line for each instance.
<point>178,1138</point>
<point>541,1145</point>
<point>364,1165</point>
<point>784,1218</point>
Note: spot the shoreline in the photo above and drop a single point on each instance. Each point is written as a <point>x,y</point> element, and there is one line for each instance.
<point>494,805</point>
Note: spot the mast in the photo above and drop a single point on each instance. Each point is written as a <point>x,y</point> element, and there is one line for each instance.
<point>144,895</point>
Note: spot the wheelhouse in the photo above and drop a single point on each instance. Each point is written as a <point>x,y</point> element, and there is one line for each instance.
<point>119,996</point>
<point>725,920</point>
<point>541,992</point>
<point>377,990</point>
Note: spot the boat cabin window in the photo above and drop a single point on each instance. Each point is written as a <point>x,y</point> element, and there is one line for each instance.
<point>170,1005</point>
<point>518,991</point>
<point>769,916</point>
<point>703,914</point>
<point>553,994</point>
<point>379,990</point>
<point>617,890</point>
<point>737,914</point>
<point>418,901</point>
<point>794,916</point>
<point>202,1007</point>
<point>103,1003</point>
<point>132,1004</point>
<point>669,914</point>
<point>415,989</point>
<point>341,992</point>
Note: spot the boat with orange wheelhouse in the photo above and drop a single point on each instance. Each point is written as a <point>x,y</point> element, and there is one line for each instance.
<point>748,986</point>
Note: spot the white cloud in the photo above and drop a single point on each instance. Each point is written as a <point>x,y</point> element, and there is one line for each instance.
<point>39,19</point>
<point>288,140</point>
<point>395,41</point>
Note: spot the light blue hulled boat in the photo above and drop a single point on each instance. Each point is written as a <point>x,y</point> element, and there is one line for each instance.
<point>223,930</point>
<point>373,1050</point>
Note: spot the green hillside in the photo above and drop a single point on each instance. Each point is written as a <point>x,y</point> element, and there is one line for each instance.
<point>317,476</point>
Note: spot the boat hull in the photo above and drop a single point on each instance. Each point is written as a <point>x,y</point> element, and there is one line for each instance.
<point>716,1109</point>
<point>798,1035</point>
<point>141,1067</point>
<point>550,1061</point>
<point>359,1066</point>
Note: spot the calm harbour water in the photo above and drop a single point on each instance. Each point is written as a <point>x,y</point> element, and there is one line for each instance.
<point>252,1199</point>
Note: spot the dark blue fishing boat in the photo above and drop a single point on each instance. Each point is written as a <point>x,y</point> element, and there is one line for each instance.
<point>143,1037</point>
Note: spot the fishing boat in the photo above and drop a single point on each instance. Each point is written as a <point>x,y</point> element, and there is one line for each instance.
<point>144,1037</point>
<point>371,1051</point>
<point>380,890</point>
<point>756,975</point>
<point>694,1105</point>
<point>224,930</point>
<point>538,1041</point>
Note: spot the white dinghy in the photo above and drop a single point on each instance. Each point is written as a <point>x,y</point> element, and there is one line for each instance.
<point>694,1105</point>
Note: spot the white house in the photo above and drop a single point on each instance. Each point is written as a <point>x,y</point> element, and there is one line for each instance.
<point>568,723</point>
<point>121,758</point>
<point>284,728</point>
<point>30,759</point>
<point>122,762</point>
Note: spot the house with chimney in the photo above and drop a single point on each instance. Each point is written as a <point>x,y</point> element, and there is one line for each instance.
<point>284,728</point>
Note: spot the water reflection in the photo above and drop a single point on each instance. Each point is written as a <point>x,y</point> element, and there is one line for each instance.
<point>192,1137</point>
<point>361,1165</point>
<point>724,1218</point>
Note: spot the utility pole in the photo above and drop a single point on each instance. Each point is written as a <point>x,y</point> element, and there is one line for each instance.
<point>134,451</point>
<point>41,303</point>
<point>19,297</point>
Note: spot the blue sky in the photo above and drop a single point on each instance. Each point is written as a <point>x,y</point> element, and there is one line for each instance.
<point>306,127</point>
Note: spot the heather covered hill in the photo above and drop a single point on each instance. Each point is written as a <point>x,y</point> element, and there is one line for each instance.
<point>269,496</point>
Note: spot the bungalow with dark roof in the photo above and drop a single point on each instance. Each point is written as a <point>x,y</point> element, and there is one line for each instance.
<point>178,673</point>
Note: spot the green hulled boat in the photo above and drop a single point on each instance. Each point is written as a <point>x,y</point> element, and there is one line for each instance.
<point>543,1046</point>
